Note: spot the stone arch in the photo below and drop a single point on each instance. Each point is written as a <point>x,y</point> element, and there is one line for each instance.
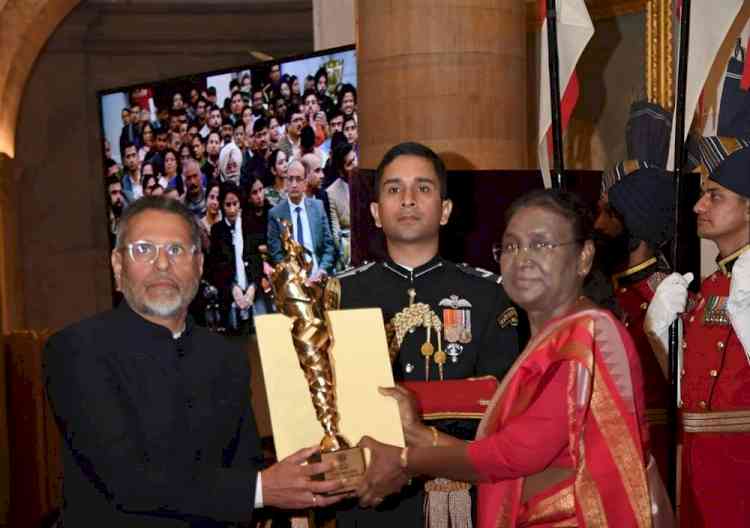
<point>27,24</point>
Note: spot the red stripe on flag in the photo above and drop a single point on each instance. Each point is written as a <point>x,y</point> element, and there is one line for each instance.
<point>569,99</point>
<point>567,105</point>
<point>541,11</point>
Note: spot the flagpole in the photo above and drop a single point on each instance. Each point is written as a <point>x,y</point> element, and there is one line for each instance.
<point>558,162</point>
<point>679,158</point>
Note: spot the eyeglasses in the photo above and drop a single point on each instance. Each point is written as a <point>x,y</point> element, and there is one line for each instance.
<point>144,252</point>
<point>535,249</point>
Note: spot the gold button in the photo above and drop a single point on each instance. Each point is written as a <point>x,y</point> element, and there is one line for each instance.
<point>702,404</point>
<point>720,345</point>
<point>627,324</point>
<point>623,290</point>
<point>684,345</point>
<point>682,372</point>
<point>713,373</point>
<point>644,306</point>
<point>692,318</point>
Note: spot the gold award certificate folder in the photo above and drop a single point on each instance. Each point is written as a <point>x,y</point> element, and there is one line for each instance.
<point>360,365</point>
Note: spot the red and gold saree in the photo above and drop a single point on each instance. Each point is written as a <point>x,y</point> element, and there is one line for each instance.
<point>563,441</point>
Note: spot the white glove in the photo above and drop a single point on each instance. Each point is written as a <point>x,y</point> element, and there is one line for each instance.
<point>670,299</point>
<point>738,304</point>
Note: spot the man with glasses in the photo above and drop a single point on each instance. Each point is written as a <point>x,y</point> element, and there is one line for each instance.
<point>476,332</point>
<point>154,411</point>
<point>309,222</point>
<point>289,144</point>
<point>195,195</point>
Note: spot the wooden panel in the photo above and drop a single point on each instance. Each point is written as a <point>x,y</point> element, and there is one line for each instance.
<point>35,467</point>
<point>449,74</point>
<point>609,8</point>
<point>598,9</point>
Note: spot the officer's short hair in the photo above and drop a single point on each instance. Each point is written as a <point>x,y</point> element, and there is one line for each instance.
<point>411,148</point>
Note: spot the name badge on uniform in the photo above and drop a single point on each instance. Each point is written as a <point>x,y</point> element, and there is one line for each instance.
<point>456,325</point>
<point>509,317</point>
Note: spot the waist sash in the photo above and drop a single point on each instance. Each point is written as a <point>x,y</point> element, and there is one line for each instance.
<point>716,422</point>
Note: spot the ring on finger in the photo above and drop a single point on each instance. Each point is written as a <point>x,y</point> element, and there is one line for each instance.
<point>315,500</point>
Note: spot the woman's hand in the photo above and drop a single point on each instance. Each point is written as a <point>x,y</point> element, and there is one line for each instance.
<point>417,434</point>
<point>384,475</point>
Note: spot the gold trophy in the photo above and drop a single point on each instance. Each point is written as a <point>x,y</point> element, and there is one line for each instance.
<point>305,303</point>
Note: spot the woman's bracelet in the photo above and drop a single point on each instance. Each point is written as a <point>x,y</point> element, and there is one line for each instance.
<point>434,436</point>
<point>404,459</point>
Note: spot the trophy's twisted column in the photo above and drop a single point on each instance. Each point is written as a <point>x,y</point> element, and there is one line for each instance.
<point>304,303</point>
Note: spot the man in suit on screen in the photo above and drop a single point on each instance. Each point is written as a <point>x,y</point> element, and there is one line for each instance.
<point>309,223</point>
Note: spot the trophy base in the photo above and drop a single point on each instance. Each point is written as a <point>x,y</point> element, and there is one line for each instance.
<point>350,465</point>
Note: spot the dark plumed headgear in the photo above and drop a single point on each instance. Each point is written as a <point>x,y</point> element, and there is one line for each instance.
<point>645,200</point>
<point>727,160</point>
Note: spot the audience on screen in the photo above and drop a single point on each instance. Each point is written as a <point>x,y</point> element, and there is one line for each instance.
<point>186,144</point>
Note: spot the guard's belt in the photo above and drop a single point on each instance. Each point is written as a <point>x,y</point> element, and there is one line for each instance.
<point>716,422</point>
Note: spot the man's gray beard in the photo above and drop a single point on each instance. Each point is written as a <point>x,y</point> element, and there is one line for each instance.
<point>165,309</point>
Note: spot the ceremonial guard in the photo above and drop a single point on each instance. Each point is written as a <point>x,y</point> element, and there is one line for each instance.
<point>443,321</point>
<point>715,352</point>
<point>635,221</point>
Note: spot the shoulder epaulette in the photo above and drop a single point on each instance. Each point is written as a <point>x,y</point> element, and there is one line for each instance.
<point>481,273</point>
<point>348,272</point>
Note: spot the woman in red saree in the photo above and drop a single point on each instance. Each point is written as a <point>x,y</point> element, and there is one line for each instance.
<point>564,440</point>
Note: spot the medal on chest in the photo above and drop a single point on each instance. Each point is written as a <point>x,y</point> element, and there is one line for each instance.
<point>715,311</point>
<point>457,325</point>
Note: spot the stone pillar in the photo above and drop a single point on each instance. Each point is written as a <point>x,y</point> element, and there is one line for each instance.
<point>11,299</point>
<point>448,73</point>
<point>333,23</point>
<point>10,309</point>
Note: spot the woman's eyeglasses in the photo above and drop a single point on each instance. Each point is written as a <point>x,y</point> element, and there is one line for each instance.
<point>534,249</point>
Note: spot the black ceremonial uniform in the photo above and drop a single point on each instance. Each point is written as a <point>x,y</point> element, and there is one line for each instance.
<point>478,334</point>
<point>485,342</point>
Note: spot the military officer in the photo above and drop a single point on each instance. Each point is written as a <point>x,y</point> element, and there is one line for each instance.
<point>635,220</point>
<point>715,374</point>
<point>444,321</point>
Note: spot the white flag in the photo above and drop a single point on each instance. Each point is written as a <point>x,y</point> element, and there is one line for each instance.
<point>574,30</point>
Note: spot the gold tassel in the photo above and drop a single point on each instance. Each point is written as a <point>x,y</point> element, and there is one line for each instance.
<point>447,504</point>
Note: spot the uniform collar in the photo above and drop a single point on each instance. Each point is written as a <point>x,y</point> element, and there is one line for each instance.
<point>433,264</point>
<point>727,263</point>
<point>635,273</point>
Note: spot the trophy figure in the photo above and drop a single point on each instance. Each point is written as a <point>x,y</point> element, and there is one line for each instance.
<point>305,303</point>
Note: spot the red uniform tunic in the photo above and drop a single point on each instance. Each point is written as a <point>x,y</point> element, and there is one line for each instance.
<point>634,289</point>
<point>715,413</point>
